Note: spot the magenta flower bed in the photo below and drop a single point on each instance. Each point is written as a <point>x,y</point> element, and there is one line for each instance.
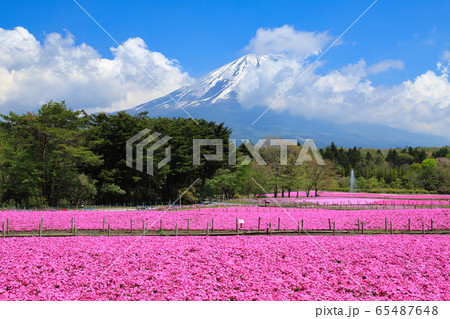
<point>380,267</point>
<point>225,218</point>
<point>370,195</point>
<point>349,201</point>
<point>411,202</point>
<point>324,200</point>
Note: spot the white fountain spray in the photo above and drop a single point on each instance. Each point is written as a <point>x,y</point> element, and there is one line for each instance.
<point>352,182</point>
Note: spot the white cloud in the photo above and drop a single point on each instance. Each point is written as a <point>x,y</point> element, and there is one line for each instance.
<point>386,65</point>
<point>421,105</point>
<point>344,95</point>
<point>261,84</point>
<point>32,73</point>
<point>347,95</point>
<point>286,40</point>
<point>346,79</point>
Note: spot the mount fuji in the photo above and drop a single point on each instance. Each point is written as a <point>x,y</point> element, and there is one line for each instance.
<point>214,97</point>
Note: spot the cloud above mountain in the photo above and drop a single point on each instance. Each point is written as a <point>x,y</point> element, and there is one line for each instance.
<point>32,73</point>
<point>347,95</point>
<point>288,41</point>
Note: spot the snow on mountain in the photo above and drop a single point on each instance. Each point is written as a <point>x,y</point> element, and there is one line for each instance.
<point>217,86</point>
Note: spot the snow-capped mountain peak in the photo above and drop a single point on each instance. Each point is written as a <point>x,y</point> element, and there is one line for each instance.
<point>214,87</point>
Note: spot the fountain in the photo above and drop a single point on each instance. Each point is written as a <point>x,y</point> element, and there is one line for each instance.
<point>352,182</point>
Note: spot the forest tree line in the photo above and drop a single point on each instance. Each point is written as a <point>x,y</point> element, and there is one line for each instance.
<point>407,170</point>
<point>61,157</point>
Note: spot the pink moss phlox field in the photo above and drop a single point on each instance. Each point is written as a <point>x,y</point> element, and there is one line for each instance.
<point>225,218</point>
<point>382,267</point>
<point>368,195</point>
<point>350,201</point>
<point>411,202</point>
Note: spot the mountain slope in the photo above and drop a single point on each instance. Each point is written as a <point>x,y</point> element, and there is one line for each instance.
<point>217,86</point>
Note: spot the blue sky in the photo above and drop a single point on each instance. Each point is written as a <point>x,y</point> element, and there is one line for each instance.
<point>203,35</point>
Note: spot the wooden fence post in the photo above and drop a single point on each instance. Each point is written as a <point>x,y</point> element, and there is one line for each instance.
<point>302,229</point>
<point>270,227</point>
<point>131,225</point>
<point>212,225</point>
<point>423,228</point>
<point>329,223</point>
<point>75,230</point>
<point>4,230</point>
<point>409,224</point>
<point>176,229</point>
<point>385,224</point>
<point>279,223</point>
<point>109,229</point>
<point>259,223</point>
<point>431,224</point>
<point>7,226</point>
<point>161,224</point>
<point>189,226</point>
<point>358,224</point>
<point>391,228</point>
<point>104,224</point>
<point>334,228</point>
<point>73,223</point>
<point>41,226</point>
<point>237,226</point>
<point>207,228</point>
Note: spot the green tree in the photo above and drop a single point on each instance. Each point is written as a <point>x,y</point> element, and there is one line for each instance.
<point>51,147</point>
<point>427,163</point>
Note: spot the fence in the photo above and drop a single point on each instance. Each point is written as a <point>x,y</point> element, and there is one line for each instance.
<point>226,220</point>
